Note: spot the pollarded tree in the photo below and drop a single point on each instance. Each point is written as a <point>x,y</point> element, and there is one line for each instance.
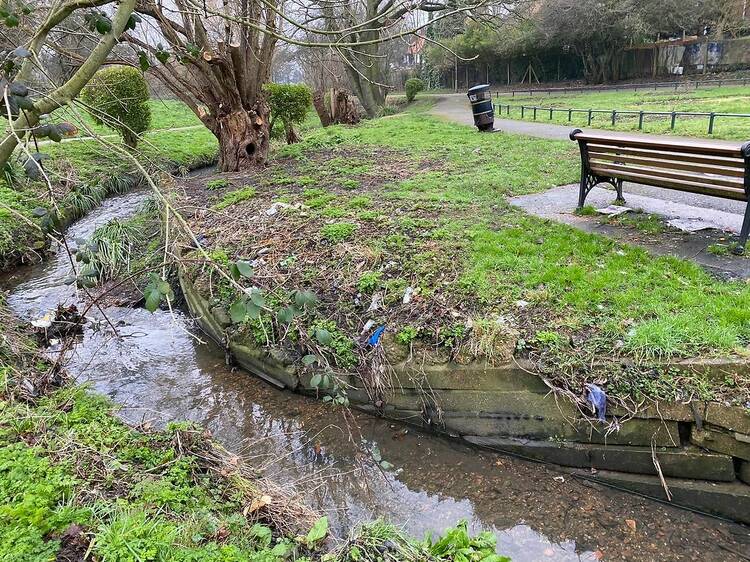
<point>217,64</point>
<point>218,57</point>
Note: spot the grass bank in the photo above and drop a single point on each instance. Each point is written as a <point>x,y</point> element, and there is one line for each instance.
<point>82,174</point>
<point>402,222</point>
<point>729,99</point>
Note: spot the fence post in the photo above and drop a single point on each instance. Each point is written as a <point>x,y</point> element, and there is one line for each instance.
<point>550,114</point>
<point>640,120</point>
<point>674,118</point>
<point>711,123</point>
<point>590,112</point>
<point>534,113</point>
<point>522,111</point>
<point>614,116</point>
<point>570,115</point>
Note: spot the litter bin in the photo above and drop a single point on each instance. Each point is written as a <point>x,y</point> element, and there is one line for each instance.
<point>481,106</point>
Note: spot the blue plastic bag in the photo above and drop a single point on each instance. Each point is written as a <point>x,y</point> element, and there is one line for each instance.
<point>598,399</point>
<point>376,335</point>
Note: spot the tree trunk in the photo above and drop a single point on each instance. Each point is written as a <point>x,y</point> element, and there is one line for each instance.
<point>130,139</point>
<point>243,138</point>
<point>319,102</point>
<point>343,108</point>
<point>291,135</point>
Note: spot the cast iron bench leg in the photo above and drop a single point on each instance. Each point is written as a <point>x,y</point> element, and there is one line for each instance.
<point>740,248</point>
<point>618,188</point>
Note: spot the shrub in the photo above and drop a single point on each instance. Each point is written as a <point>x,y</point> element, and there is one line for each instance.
<point>116,97</point>
<point>413,86</point>
<point>289,105</point>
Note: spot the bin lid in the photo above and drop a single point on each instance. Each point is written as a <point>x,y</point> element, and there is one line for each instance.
<point>479,88</point>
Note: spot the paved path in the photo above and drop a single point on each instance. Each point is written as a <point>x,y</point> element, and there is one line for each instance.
<point>559,203</point>
<point>455,107</point>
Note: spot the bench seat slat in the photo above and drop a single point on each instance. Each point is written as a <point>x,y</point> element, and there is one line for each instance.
<point>668,164</point>
<point>666,155</point>
<point>699,146</point>
<point>680,185</point>
<point>616,169</point>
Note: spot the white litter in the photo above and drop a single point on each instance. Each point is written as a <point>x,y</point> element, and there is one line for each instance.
<point>691,225</point>
<point>522,304</point>
<point>368,326</point>
<point>408,294</point>
<point>613,210</point>
<point>377,300</point>
<point>43,322</point>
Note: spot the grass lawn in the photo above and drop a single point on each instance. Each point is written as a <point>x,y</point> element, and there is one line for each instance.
<point>165,114</point>
<point>730,99</point>
<point>410,203</point>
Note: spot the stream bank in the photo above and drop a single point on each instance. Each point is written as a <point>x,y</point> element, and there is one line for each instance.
<point>159,371</point>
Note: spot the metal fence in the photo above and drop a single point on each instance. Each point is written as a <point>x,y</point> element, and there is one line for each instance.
<point>614,113</point>
<point>695,84</point>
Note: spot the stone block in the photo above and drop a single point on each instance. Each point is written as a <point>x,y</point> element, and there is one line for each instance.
<point>714,439</point>
<point>744,472</point>
<point>493,402</point>
<point>475,376</point>
<point>260,364</point>
<point>632,432</point>
<point>725,499</point>
<point>680,463</point>
<point>733,418</point>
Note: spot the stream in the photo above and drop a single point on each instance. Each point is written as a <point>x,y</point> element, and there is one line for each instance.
<point>161,369</point>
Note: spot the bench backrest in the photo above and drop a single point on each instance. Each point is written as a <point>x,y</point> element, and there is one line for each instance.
<point>718,168</point>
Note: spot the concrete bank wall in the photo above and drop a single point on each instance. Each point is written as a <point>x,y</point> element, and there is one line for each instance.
<point>702,449</point>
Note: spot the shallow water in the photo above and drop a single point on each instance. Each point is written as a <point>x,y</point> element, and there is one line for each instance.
<point>160,369</point>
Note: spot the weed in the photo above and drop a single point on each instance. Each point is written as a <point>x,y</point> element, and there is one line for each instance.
<point>407,335</point>
<point>247,192</point>
<point>338,344</point>
<point>360,202</point>
<point>338,231</point>
<point>217,184</point>
<point>369,281</point>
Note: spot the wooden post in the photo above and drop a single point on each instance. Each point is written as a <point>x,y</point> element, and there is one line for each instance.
<point>455,76</point>
<point>508,73</point>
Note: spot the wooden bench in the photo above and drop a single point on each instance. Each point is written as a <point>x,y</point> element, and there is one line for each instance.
<point>709,167</point>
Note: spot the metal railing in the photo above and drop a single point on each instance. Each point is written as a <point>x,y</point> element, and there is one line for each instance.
<point>614,113</point>
<point>709,83</point>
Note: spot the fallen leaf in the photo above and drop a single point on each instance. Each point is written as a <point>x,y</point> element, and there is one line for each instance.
<point>598,554</point>
<point>631,524</point>
<point>257,504</point>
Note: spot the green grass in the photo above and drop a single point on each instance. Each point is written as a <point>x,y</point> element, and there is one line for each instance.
<point>165,114</point>
<point>730,99</point>
<point>235,197</point>
<point>616,298</point>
